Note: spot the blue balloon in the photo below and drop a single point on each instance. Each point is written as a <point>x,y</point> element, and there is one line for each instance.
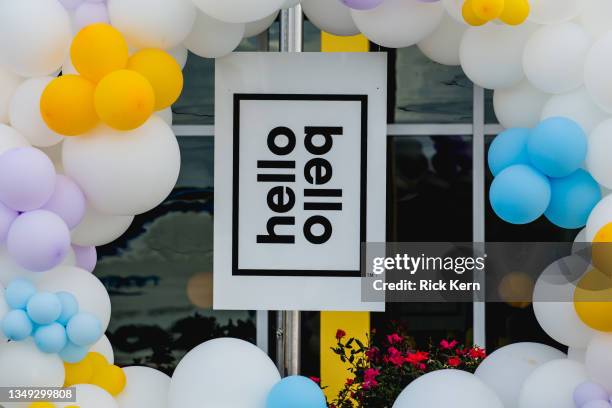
<point>44,308</point>
<point>520,194</point>
<point>508,148</point>
<point>296,392</point>
<point>70,307</point>
<point>72,353</point>
<point>84,329</point>
<point>18,292</point>
<point>16,325</point>
<point>572,200</point>
<point>51,338</point>
<point>557,147</point>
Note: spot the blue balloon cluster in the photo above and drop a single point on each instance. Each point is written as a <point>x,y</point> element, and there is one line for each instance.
<point>52,319</point>
<point>296,392</point>
<point>537,172</point>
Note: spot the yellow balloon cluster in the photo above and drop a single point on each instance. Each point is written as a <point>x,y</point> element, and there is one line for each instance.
<point>95,370</point>
<point>480,12</point>
<point>112,87</point>
<point>48,405</point>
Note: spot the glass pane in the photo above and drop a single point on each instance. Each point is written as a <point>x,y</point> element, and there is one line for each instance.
<point>159,274</point>
<point>428,92</point>
<point>196,105</point>
<point>490,117</point>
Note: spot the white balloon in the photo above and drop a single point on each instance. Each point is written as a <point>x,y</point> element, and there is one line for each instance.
<point>8,85</point>
<point>212,38</point>
<point>491,55</point>
<point>104,347</point>
<point>257,27</point>
<point>598,72</point>
<point>580,243</point>
<point>23,365</point>
<point>4,308</point>
<point>160,24</point>
<point>24,113</point>
<point>10,138</point>
<point>598,360</point>
<point>55,154</point>
<point>600,216</point>
<point>98,229</point>
<point>330,16</point>
<point>35,36</point>
<point>166,115</point>
<point>598,155</point>
<point>552,385</point>
<point>554,11</point>
<point>576,354</point>
<point>238,11</point>
<point>442,46</point>
<point>506,368</point>
<point>553,302</point>
<point>124,173</point>
<point>88,290</point>
<point>576,105</point>
<point>399,23</point>
<point>9,270</point>
<point>90,396</point>
<point>225,373</point>
<point>145,388</point>
<point>519,106</point>
<point>448,388</point>
<point>180,54</point>
<point>554,56</point>
<point>454,9</point>
<point>595,17</point>
<point>68,67</point>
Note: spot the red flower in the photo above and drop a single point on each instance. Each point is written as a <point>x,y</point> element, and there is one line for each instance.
<point>369,378</point>
<point>477,353</point>
<point>372,353</point>
<point>340,334</point>
<point>315,379</point>
<point>350,381</point>
<point>422,367</point>
<point>448,345</point>
<point>417,357</point>
<point>394,338</point>
<point>454,361</point>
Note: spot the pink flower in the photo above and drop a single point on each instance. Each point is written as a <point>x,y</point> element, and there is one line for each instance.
<point>395,357</point>
<point>448,345</point>
<point>372,353</point>
<point>369,378</point>
<point>315,380</point>
<point>394,338</point>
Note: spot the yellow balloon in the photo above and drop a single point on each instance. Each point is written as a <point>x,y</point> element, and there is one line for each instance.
<point>469,16</point>
<point>593,300</point>
<point>67,105</point>
<point>111,378</point>
<point>488,9</point>
<point>516,289</point>
<point>601,249</point>
<point>515,12</point>
<point>97,360</point>
<point>124,99</point>
<point>78,373</point>
<point>162,71</point>
<point>41,405</point>
<point>98,50</point>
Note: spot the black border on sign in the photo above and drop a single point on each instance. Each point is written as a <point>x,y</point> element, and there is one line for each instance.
<point>238,97</point>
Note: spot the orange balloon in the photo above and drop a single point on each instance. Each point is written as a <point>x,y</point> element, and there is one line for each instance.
<point>601,250</point>
<point>67,105</point>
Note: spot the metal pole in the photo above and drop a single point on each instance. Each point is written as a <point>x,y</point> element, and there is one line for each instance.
<point>288,323</point>
<point>478,206</point>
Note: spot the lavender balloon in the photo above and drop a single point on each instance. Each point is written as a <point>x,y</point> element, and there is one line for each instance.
<point>362,4</point>
<point>589,392</point>
<point>90,13</point>
<point>71,4</point>
<point>86,257</point>
<point>27,178</point>
<point>597,404</point>
<point>95,1</point>
<point>7,216</point>
<point>38,240</point>
<point>67,201</point>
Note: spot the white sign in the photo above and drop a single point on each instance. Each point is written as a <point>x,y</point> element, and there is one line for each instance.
<point>300,178</point>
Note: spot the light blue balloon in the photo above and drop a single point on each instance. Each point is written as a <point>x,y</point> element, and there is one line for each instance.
<point>70,307</point>
<point>73,354</point>
<point>84,329</point>
<point>16,325</point>
<point>296,392</point>
<point>520,194</point>
<point>18,292</point>
<point>572,199</point>
<point>508,148</point>
<point>557,147</point>
<point>51,338</point>
<point>44,308</point>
